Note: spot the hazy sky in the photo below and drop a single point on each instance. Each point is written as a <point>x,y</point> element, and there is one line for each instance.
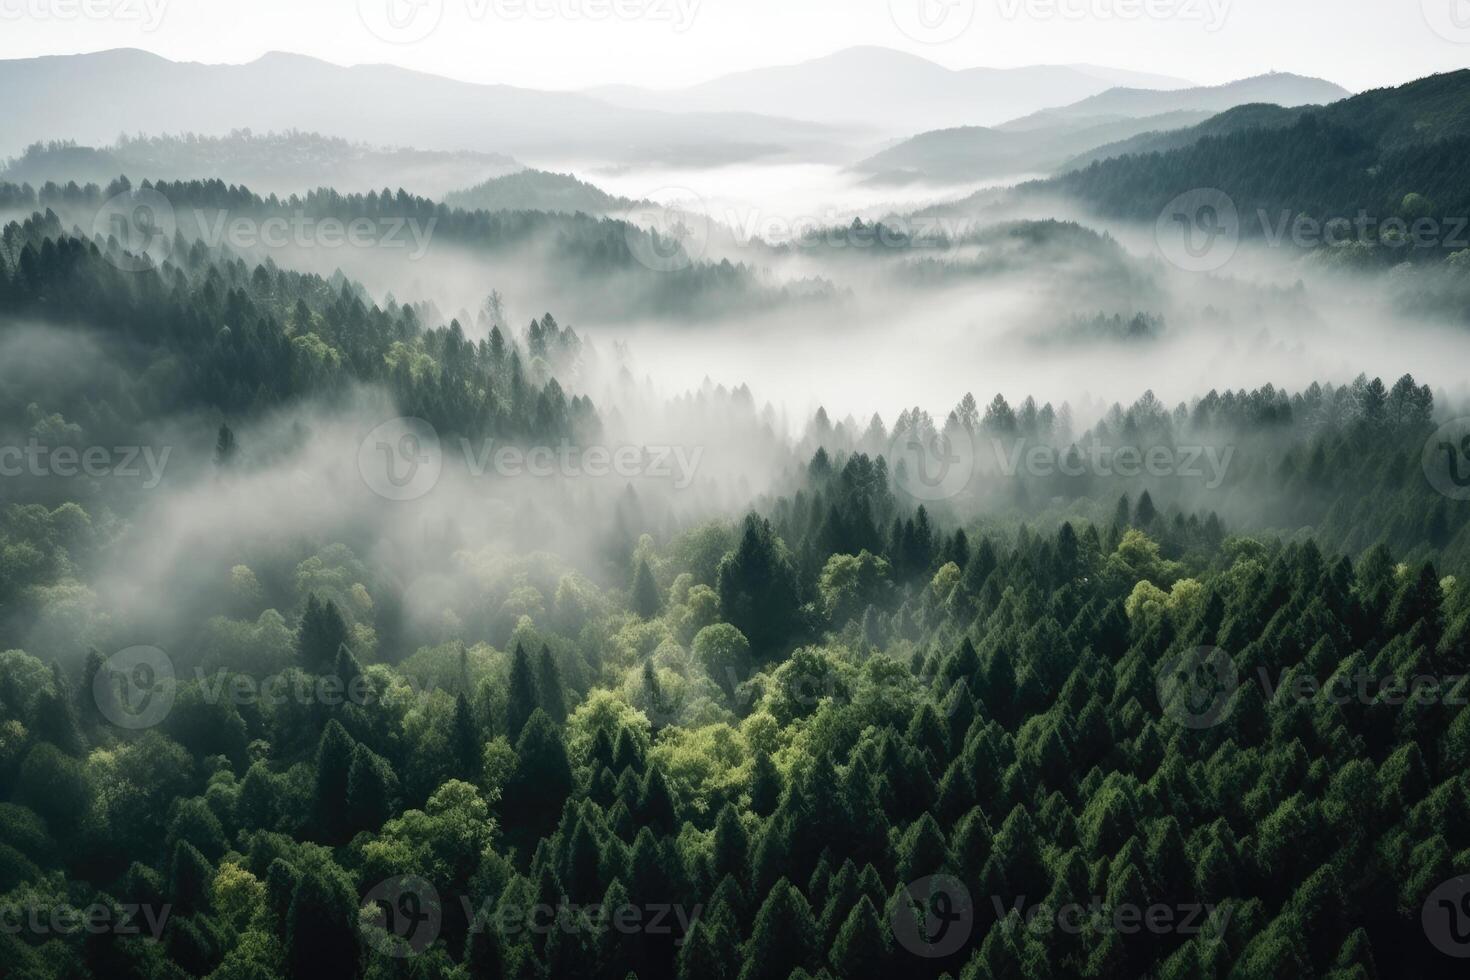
<point>576,43</point>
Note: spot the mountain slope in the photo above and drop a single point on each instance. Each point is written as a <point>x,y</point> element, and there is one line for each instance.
<point>886,90</point>
<point>1401,153</point>
<point>1277,88</point>
<point>1161,141</point>
<point>976,153</point>
<point>59,97</point>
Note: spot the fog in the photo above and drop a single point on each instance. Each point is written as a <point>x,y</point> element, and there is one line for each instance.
<point>997,299</point>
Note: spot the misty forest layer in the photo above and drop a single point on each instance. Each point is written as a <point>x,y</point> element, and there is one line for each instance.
<point>1073,679</point>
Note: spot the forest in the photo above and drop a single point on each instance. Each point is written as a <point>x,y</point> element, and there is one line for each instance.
<point>753,746</point>
<point>455,526</point>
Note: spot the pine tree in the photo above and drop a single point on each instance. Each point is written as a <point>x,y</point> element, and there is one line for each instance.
<point>861,950</point>
<point>225,447</point>
<point>484,954</point>
<point>369,791</point>
<point>542,778</point>
<point>522,697</point>
<point>322,633</point>
<point>321,940</point>
<point>1145,514</point>
<point>646,599</point>
<point>553,699</point>
<point>333,771</point>
<point>784,937</point>
<point>765,785</point>
<point>466,746</point>
<point>731,846</point>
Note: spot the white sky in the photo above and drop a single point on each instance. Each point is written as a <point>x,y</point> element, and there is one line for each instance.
<point>559,44</point>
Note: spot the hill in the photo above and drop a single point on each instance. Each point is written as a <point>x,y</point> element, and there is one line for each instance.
<point>1277,88</point>
<point>976,152</point>
<point>1240,118</point>
<point>538,190</point>
<point>888,91</point>
<point>275,163</point>
<point>1396,153</point>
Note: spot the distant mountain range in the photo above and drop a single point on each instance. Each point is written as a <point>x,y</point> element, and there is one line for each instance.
<point>1278,88</point>
<point>90,98</point>
<point>1049,140</point>
<point>268,163</point>
<point>888,91</point>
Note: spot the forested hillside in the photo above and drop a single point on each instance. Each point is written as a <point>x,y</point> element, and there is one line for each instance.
<point>1394,156</point>
<point>785,739</point>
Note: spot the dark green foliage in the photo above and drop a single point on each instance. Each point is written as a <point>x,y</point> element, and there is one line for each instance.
<point>542,777</point>
<point>646,598</point>
<point>321,937</point>
<point>522,697</point>
<point>757,587</point>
